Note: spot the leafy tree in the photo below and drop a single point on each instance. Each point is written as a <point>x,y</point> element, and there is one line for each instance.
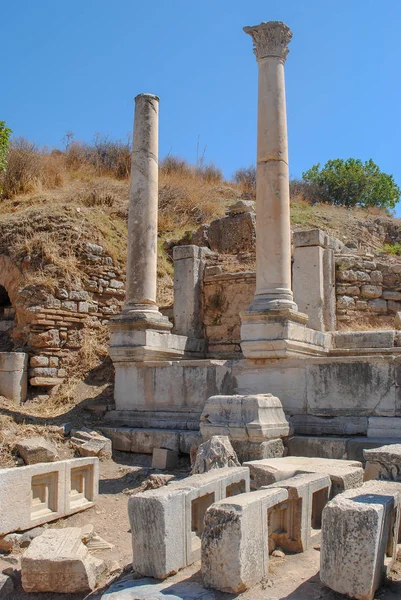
<point>5,133</point>
<point>354,183</point>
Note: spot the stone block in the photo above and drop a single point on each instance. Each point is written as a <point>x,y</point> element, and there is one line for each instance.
<point>59,562</point>
<point>254,418</point>
<point>36,450</point>
<point>233,234</point>
<point>167,522</point>
<point>37,494</point>
<point>91,443</point>
<point>39,361</point>
<point>235,552</point>
<point>384,427</point>
<point>13,375</point>
<point>216,453</point>
<point>365,339</point>
<point>319,447</point>
<point>397,320</point>
<point>359,538</point>
<point>371,291</point>
<point>311,425</point>
<point>298,522</point>
<point>163,459</point>
<point>378,306</point>
<point>345,302</point>
<point>189,266</point>
<point>388,460</point>
<point>257,450</point>
<point>344,474</point>
<point>310,237</point>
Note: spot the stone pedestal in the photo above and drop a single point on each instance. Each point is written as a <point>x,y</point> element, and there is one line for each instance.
<point>273,327</point>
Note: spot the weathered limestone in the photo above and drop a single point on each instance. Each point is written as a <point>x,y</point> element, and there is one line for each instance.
<point>272,327</point>
<point>359,538</point>
<point>14,375</point>
<point>189,266</point>
<point>388,427</point>
<point>216,453</point>
<point>148,589</point>
<point>250,419</point>
<point>58,561</point>
<point>164,459</point>
<point>36,450</point>
<point>314,282</point>
<point>91,443</point>
<point>36,494</point>
<point>387,460</point>
<point>235,553</point>
<point>298,520</point>
<point>167,523</point>
<point>344,474</point>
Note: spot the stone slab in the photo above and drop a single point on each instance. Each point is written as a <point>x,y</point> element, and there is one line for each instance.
<point>36,494</point>
<point>142,441</point>
<point>359,538</point>
<point>36,450</point>
<point>364,339</point>
<point>148,589</point>
<point>321,447</point>
<point>58,561</point>
<point>307,424</point>
<point>344,474</point>
<point>389,427</point>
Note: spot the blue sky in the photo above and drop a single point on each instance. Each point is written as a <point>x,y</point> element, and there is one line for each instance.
<point>77,65</point>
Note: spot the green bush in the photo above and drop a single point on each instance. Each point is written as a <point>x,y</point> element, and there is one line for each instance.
<point>354,183</point>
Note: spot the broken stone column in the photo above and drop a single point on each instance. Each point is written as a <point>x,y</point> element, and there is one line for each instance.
<point>273,327</point>
<point>387,460</point>
<point>14,375</point>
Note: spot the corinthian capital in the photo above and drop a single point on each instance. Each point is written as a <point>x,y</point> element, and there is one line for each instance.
<point>270,39</point>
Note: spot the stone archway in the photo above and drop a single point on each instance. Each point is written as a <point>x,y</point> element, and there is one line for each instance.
<point>10,283</point>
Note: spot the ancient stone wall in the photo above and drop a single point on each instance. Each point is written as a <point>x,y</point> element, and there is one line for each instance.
<point>367,288</point>
<point>51,325</point>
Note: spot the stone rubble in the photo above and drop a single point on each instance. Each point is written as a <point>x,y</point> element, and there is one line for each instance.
<point>91,443</point>
<point>215,453</point>
<point>36,450</point>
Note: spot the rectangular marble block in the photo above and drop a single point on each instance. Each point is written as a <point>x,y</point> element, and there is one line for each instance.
<point>235,553</point>
<point>359,538</point>
<point>37,494</point>
<point>167,523</point>
<point>344,474</point>
<point>308,493</point>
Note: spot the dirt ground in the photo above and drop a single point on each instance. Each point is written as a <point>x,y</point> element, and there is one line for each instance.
<point>295,577</point>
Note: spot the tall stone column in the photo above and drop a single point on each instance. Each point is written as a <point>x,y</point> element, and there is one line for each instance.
<point>273,233</point>
<point>273,327</point>
<point>141,283</point>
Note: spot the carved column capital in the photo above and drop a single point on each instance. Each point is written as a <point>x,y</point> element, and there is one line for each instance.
<point>270,38</point>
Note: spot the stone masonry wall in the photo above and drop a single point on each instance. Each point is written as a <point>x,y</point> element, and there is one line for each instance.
<point>51,325</point>
<point>367,287</point>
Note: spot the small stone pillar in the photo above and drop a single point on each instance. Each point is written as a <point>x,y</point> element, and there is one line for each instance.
<point>314,278</point>
<point>189,266</point>
<point>273,327</point>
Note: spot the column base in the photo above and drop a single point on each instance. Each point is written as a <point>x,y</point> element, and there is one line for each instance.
<point>280,333</point>
<point>144,336</point>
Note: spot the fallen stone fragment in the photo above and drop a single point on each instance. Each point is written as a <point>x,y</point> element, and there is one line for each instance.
<point>91,443</point>
<point>215,453</point>
<point>387,459</point>
<point>155,481</point>
<point>87,532</point>
<point>58,561</point>
<point>98,543</point>
<point>36,450</point>
<point>147,589</point>
<point>6,586</point>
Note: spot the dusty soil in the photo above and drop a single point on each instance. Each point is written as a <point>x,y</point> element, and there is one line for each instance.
<point>294,577</point>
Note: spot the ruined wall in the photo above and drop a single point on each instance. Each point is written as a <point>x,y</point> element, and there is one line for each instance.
<point>367,287</point>
<point>51,325</point>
